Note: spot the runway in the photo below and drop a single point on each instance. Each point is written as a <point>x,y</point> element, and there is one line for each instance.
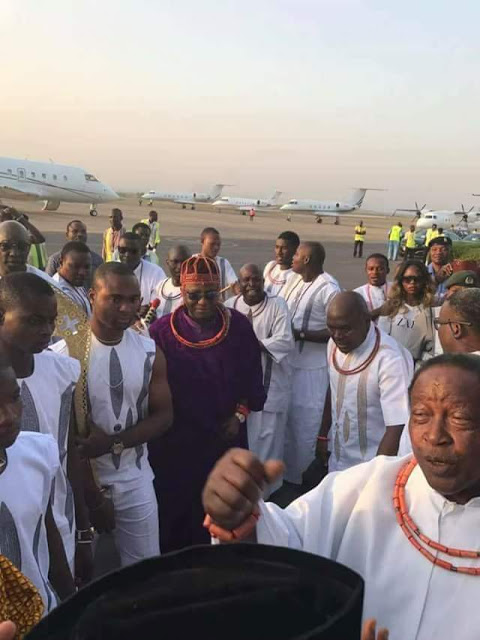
<point>242,240</point>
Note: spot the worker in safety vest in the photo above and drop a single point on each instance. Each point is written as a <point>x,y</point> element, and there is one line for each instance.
<point>394,238</point>
<point>360,232</point>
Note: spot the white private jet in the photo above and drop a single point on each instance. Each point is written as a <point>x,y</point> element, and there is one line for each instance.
<point>185,199</point>
<point>425,218</point>
<point>329,208</point>
<point>54,183</point>
<point>246,204</point>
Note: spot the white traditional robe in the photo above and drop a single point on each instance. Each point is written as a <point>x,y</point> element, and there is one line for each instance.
<point>375,297</point>
<point>307,303</point>
<point>118,387</point>
<point>350,518</point>
<point>364,404</point>
<point>25,489</point>
<point>149,277</point>
<point>47,397</point>
<point>271,323</point>
<point>170,297</point>
<point>77,294</point>
<point>276,278</point>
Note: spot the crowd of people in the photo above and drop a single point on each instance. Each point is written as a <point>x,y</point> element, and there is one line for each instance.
<point>162,410</point>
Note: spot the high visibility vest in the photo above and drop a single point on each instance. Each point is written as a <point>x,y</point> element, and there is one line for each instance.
<point>154,231</point>
<point>431,234</point>
<point>410,240</point>
<point>359,233</point>
<point>38,256</point>
<point>395,233</point>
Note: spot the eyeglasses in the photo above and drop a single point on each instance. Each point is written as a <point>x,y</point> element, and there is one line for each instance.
<point>10,246</point>
<point>438,323</point>
<point>195,296</point>
<point>412,279</point>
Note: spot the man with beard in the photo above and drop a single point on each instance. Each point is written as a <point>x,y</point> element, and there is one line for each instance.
<point>130,404</point>
<point>278,271</point>
<point>215,375</point>
<point>271,322</point>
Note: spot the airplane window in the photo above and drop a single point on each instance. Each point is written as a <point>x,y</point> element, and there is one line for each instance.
<point>90,178</point>
<point>44,176</point>
<point>54,176</point>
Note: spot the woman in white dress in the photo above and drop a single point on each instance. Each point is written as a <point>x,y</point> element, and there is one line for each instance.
<point>407,315</point>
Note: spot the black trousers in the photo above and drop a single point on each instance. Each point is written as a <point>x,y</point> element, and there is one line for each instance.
<point>358,245</point>
<point>410,254</point>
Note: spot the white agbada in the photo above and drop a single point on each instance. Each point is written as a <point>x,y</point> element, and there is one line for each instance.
<point>375,297</point>
<point>364,404</point>
<point>118,386</point>
<point>25,488</point>
<point>307,303</point>
<point>77,294</point>
<point>170,297</point>
<point>149,277</point>
<point>275,278</point>
<point>271,324</point>
<point>47,402</point>
<point>350,518</point>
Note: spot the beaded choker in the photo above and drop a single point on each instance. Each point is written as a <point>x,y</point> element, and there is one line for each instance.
<point>203,344</point>
<point>416,537</point>
<point>361,367</point>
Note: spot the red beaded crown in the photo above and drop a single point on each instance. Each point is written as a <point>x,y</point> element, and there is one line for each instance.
<point>200,270</point>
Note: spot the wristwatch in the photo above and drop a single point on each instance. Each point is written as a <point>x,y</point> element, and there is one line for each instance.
<point>117,447</point>
<point>302,335</point>
<point>240,417</point>
<point>85,536</point>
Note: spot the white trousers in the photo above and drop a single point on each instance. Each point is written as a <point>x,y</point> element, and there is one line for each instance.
<point>136,532</point>
<point>266,439</point>
<point>305,411</point>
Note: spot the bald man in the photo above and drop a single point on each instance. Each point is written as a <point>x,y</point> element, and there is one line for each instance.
<point>168,290</point>
<point>270,319</point>
<point>369,378</point>
<point>15,246</point>
<point>307,293</point>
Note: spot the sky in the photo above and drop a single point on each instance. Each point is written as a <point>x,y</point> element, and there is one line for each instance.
<point>311,97</point>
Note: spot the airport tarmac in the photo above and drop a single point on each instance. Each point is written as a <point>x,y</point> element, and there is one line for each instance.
<point>242,240</point>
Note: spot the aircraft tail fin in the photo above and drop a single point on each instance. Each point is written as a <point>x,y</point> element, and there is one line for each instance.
<point>356,199</point>
<point>216,190</point>
<point>275,197</point>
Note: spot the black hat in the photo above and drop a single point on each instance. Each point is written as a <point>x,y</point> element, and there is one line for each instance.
<point>443,240</point>
<point>228,592</point>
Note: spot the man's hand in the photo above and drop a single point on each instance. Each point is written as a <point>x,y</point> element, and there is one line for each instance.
<point>235,486</point>
<point>444,273</point>
<point>97,444</point>
<point>369,631</point>
<point>322,452</point>
<point>83,564</point>
<point>103,517</point>
<point>231,428</point>
<point>7,630</point>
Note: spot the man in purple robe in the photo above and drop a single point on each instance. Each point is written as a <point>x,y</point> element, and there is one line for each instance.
<point>215,376</point>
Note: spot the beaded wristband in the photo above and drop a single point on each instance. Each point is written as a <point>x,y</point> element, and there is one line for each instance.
<point>241,408</point>
<point>240,533</point>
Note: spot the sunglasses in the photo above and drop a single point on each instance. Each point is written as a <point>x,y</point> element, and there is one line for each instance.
<point>195,296</point>
<point>412,279</point>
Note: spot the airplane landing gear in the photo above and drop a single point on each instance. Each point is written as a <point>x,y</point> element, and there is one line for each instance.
<point>93,211</point>
<point>337,221</point>
<point>184,206</point>
<point>318,219</point>
<point>193,207</point>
